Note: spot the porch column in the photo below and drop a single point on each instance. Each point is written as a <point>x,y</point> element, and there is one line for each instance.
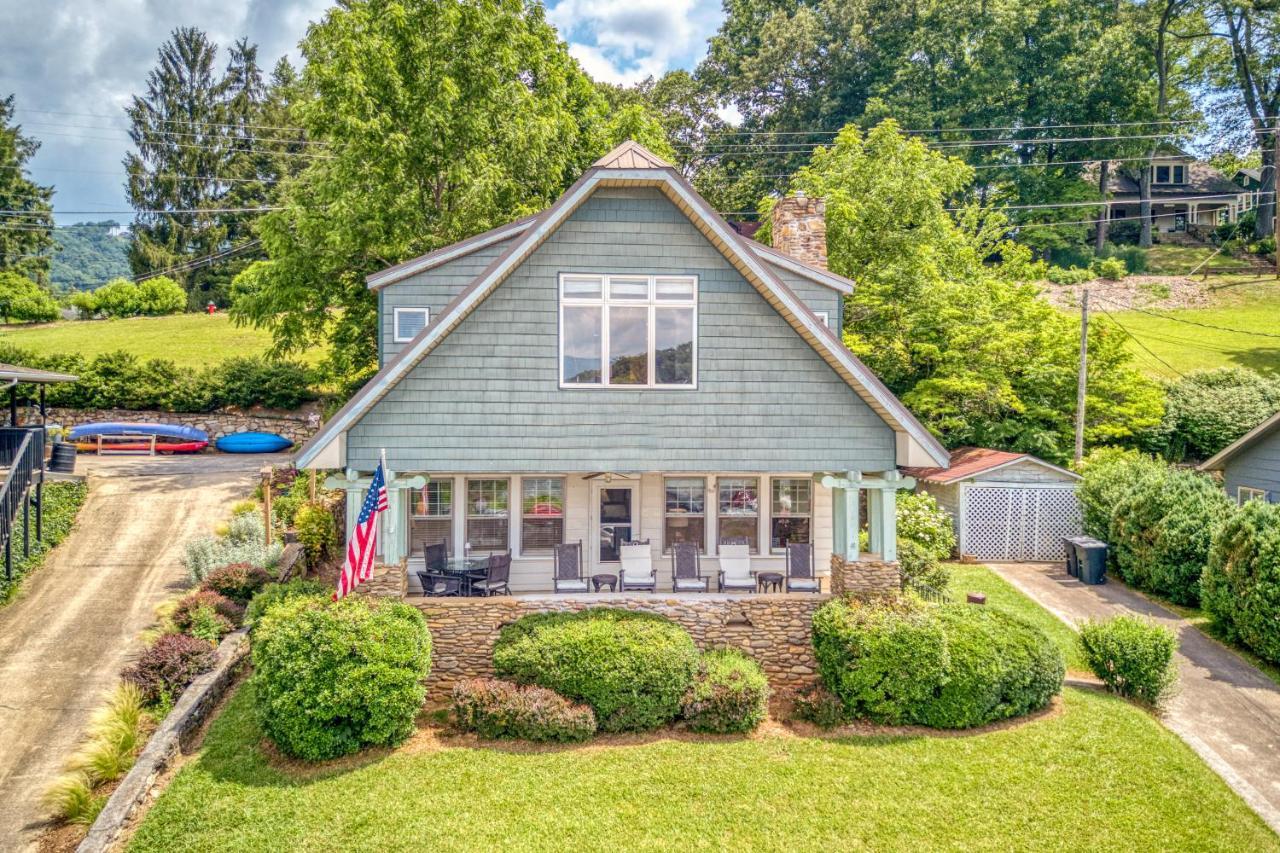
<point>883,514</point>
<point>845,494</point>
<point>393,531</point>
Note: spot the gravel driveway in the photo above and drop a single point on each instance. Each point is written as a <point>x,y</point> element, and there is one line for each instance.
<point>76,622</point>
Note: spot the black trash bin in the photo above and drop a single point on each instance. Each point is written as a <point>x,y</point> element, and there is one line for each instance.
<point>63,458</point>
<point>1092,557</point>
<point>1073,562</point>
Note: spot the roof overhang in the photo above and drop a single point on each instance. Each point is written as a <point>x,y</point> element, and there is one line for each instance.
<point>18,373</point>
<point>1220,459</point>
<point>914,444</point>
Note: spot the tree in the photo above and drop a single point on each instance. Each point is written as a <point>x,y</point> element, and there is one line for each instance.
<point>977,354</point>
<point>439,120</point>
<point>23,300</point>
<point>29,236</point>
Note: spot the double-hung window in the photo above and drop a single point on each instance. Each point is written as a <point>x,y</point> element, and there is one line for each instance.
<point>433,514</point>
<point>628,331</point>
<point>541,514</point>
<point>488,504</point>
<point>686,512</point>
<point>738,511</point>
<point>791,512</point>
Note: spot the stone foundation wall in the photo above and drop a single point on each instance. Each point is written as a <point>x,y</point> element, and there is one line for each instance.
<point>295,426</point>
<point>774,629</point>
<point>868,576</point>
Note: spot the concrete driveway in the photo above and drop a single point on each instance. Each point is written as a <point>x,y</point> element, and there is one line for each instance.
<point>74,626</point>
<point>1225,708</point>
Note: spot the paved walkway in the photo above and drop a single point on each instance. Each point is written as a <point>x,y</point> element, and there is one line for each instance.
<point>76,622</point>
<point>1225,709</point>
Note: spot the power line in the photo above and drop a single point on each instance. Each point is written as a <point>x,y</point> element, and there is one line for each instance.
<point>1101,202</point>
<point>1133,338</point>
<point>192,122</point>
<point>156,211</point>
<point>205,260</point>
<point>231,136</point>
<point>1193,322</point>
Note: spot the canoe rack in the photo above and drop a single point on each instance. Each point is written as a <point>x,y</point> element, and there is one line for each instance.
<point>109,445</point>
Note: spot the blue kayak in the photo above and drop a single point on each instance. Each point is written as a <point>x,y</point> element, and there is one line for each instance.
<point>253,442</point>
<point>174,431</point>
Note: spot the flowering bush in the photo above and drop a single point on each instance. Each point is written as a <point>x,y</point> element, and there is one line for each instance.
<point>922,521</point>
<point>497,709</point>
<point>238,581</point>
<point>221,606</point>
<point>167,667</point>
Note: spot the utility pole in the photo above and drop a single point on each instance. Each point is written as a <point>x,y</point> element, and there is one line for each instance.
<point>1275,192</point>
<point>1083,377</point>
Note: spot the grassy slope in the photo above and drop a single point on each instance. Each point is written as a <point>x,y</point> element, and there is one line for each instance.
<point>191,340</point>
<point>1101,774</point>
<point>1174,259</point>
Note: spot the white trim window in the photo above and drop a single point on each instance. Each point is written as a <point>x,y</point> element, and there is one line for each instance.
<point>432,513</point>
<point>628,331</point>
<point>1169,173</point>
<point>685,515</point>
<point>406,323</point>
<point>488,509</point>
<point>738,510</point>
<point>541,515</point>
<point>1244,494</point>
<point>791,512</point>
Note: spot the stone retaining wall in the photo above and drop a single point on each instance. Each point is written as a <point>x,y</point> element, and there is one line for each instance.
<point>295,426</point>
<point>868,576</point>
<point>774,629</point>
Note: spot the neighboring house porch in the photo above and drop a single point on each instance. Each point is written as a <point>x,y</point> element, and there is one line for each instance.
<point>1187,196</point>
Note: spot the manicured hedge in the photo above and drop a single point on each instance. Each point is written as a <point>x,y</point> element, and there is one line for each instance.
<point>633,669</point>
<point>333,677</point>
<point>1132,656</point>
<point>1161,530</point>
<point>1242,580</point>
<point>500,709</point>
<point>274,593</point>
<point>730,694</point>
<point>1109,475</point>
<point>950,666</point>
<point>999,667</point>
<point>1208,409</point>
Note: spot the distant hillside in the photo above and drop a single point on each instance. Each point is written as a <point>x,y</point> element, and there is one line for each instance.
<point>89,256</point>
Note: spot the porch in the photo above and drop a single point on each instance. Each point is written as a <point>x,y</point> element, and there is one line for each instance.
<point>527,515</point>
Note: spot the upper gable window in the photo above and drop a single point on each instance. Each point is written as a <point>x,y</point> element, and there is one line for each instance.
<point>407,322</point>
<point>1171,174</point>
<point>632,331</point>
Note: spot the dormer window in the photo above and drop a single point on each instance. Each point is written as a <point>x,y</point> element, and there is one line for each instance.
<point>407,322</point>
<point>1170,174</point>
<point>628,331</point>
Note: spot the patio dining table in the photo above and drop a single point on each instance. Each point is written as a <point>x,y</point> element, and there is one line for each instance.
<point>467,569</point>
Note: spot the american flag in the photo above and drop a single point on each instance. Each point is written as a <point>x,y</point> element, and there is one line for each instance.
<point>362,547</point>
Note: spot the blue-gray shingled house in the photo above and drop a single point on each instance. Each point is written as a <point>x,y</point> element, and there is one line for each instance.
<point>624,366</point>
<point>1250,465</point>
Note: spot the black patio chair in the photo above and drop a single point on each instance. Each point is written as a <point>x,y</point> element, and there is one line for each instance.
<point>802,576</point>
<point>567,568</point>
<point>496,578</point>
<point>436,557</point>
<point>435,580</point>
<point>686,569</point>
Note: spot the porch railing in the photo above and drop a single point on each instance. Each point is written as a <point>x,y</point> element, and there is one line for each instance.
<point>22,454</point>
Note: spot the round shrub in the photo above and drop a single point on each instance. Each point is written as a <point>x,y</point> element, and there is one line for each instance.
<point>204,599</point>
<point>1207,410</point>
<point>884,659</point>
<point>729,694</point>
<point>820,706</point>
<point>920,566</point>
<point>922,522</point>
<point>1242,581</point>
<point>1109,475</point>
<point>999,667</point>
<point>500,709</point>
<point>166,668</point>
<point>1132,656</point>
<point>238,581</point>
<point>332,677</point>
<point>317,531</point>
<point>1112,269</point>
<point>274,593</point>
<point>633,669</point>
<point>1160,533</point>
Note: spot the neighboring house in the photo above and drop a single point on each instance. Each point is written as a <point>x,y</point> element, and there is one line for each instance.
<point>1005,506</point>
<point>624,366</point>
<point>1251,180</point>
<point>1185,194</point>
<point>1250,465</point>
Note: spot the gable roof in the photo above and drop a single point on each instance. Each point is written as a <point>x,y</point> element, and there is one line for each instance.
<point>1219,460</point>
<point>969,462</point>
<point>914,443</point>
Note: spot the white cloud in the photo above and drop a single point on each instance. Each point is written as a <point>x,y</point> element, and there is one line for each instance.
<point>624,41</point>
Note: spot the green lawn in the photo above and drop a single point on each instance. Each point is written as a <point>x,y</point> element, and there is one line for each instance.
<point>191,340</point>
<point>1098,773</point>
<point>977,578</point>
<point>1173,259</point>
<point>1246,303</point>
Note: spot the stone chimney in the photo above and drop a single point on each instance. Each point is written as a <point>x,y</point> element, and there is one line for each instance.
<point>800,229</point>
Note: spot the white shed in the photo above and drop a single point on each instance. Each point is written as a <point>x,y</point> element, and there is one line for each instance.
<point>1006,506</point>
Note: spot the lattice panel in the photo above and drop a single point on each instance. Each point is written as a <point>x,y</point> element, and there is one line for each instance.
<point>1017,523</point>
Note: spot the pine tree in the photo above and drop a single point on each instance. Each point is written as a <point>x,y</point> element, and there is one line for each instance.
<point>24,238</point>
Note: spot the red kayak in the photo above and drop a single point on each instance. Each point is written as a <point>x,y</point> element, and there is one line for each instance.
<point>144,446</point>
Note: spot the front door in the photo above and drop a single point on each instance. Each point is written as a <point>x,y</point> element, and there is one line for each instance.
<point>617,520</point>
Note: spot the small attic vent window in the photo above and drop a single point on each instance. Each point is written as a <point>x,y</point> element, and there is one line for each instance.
<point>408,322</point>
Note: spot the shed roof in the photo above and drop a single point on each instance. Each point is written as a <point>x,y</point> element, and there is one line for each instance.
<point>18,373</point>
<point>967,462</point>
<point>1219,460</point>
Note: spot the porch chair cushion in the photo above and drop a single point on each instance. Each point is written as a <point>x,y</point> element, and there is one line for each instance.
<point>689,585</point>
<point>735,567</point>
<point>803,584</point>
<point>637,564</point>
<point>572,586</point>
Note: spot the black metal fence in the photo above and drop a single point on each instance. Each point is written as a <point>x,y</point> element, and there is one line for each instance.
<point>22,454</point>
<point>925,591</point>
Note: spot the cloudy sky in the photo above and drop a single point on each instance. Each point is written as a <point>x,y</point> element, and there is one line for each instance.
<point>73,64</point>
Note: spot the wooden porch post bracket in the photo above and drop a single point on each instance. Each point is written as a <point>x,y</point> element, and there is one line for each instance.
<point>394,546</point>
